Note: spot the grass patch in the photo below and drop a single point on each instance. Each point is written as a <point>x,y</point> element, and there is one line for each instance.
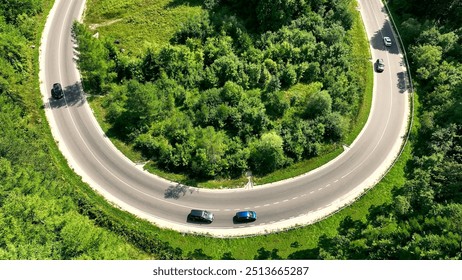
<point>362,61</point>
<point>139,24</point>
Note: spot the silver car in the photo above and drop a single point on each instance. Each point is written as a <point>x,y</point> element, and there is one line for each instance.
<point>387,41</point>
<point>201,216</point>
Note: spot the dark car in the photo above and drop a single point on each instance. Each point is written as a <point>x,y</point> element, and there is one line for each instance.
<point>201,216</point>
<point>57,91</point>
<point>245,216</point>
<point>379,65</point>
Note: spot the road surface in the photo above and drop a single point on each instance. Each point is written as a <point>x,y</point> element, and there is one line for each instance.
<point>298,201</point>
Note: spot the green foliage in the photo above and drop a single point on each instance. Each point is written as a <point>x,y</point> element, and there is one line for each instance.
<point>93,60</point>
<point>423,221</point>
<point>266,153</point>
<point>318,104</point>
<point>445,12</point>
<point>272,14</point>
<point>230,78</point>
<point>211,148</point>
<point>11,10</point>
<point>198,26</point>
<point>38,212</point>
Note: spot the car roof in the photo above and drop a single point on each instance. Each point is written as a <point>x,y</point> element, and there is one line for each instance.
<point>244,213</point>
<point>197,212</point>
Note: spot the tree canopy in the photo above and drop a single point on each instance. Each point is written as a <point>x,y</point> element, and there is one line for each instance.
<point>226,78</point>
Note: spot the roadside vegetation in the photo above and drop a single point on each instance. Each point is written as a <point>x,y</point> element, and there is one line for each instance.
<point>424,219</point>
<point>39,214</point>
<point>238,86</point>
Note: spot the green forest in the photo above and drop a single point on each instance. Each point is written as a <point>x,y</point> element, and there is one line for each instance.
<point>424,221</point>
<point>215,102</point>
<point>46,212</point>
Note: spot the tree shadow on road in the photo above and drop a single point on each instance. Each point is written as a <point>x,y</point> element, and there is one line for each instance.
<point>177,191</point>
<point>386,31</point>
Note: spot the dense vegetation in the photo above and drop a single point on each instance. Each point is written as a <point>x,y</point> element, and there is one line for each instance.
<point>214,103</point>
<point>39,216</point>
<point>425,219</point>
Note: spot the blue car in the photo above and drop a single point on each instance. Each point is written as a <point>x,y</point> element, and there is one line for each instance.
<point>245,216</point>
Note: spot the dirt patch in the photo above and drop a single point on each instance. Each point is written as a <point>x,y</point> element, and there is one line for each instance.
<point>96,25</point>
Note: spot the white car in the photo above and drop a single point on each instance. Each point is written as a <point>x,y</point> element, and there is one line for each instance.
<point>387,41</point>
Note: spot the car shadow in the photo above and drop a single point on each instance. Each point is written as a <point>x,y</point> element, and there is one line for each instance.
<point>197,222</point>
<point>237,222</point>
<point>73,97</point>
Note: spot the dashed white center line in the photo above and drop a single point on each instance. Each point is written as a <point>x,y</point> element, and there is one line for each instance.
<point>276,203</point>
<point>285,200</point>
<point>295,197</point>
<point>267,205</point>
<point>312,192</point>
<point>336,181</point>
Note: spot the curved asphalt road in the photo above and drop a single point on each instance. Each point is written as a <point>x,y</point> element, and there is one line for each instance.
<point>298,201</point>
